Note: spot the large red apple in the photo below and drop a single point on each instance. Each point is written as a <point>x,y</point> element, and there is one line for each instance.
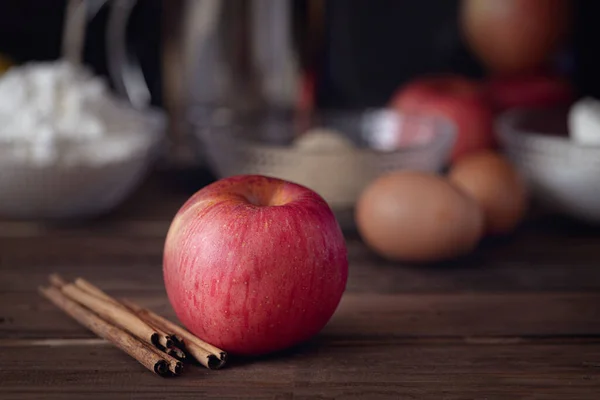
<point>255,264</point>
<point>455,98</point>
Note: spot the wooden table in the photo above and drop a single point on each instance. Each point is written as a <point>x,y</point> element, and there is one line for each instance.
<point>518,319</point>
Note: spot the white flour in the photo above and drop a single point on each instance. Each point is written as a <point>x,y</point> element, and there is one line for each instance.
<point>53,113</point>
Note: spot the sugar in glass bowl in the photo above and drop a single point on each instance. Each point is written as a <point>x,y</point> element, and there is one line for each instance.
<point>335,153</point>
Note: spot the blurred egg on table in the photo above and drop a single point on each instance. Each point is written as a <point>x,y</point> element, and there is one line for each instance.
<point>584,121</point>
<point>495,185</point>
<point>418,217</point>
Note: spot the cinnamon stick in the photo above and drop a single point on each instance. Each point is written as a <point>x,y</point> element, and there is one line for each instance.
<point>208,355</point>
<point>143,323</point>
<point>176,352</point>
<point>91,289</point>
<point>121,339</point>
<point>163,338</point>
<point>112,313</point>
<point>56,280</point>
<point>175,366</point>
<point>87,287</point>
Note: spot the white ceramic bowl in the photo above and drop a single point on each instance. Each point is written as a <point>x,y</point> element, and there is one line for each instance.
<point>76,190</point>
<point>562,175</point>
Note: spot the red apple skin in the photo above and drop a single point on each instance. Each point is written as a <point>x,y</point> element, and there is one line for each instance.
<point>458,99</point>
<point>529,90</point>
<point>254,264</point>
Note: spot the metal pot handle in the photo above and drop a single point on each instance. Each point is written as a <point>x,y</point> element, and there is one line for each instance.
<point>123,67</point>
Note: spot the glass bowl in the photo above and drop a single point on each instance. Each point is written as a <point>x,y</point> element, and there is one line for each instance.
<point>85,183</point>
<point>368,144</point>
<point>561,175</point>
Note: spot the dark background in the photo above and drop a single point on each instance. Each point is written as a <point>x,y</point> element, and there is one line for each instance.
<point>372,45</point>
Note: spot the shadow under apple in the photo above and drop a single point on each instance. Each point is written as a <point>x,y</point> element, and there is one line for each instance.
<point>309,348</point>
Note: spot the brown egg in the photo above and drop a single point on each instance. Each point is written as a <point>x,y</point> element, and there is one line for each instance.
<point>496,186</point>
<point>415,216</point>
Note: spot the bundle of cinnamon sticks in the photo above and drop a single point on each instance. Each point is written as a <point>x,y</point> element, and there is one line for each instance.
<point>155,342</point>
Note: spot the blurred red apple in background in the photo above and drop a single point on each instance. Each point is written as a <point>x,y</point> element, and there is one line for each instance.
<point>255,264</point>
<point>529,90</point>
<point>515,36</point>
<point>455,98</point>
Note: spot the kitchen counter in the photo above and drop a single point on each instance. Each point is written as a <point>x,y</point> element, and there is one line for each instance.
<point>520,318</point>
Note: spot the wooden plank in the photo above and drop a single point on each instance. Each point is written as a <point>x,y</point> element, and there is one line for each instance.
<point>527,265</point>
<point>27,315</point>
<point>468,314</point>
<point>323,369</point>
<point>104,258</point>
<point>24,260</point>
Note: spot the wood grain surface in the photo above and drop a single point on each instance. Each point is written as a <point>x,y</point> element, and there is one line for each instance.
<point>519,319</point>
